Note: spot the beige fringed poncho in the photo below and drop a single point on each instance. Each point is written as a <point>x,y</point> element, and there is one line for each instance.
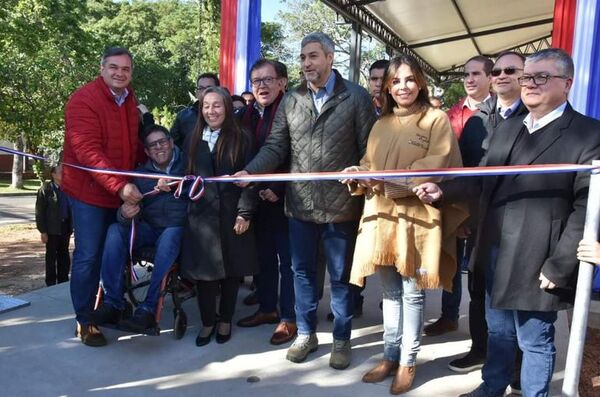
<point>396,228</point>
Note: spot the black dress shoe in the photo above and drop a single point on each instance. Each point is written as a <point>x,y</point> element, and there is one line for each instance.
<point>139,323</point>
<point>105,314</point>
<point>204,340</point>
<point>222,338</point>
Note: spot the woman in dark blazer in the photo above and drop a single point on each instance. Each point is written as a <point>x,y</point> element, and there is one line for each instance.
<point>218,243</point>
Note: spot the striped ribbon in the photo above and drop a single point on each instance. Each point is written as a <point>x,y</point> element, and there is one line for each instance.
<point>197,188</point>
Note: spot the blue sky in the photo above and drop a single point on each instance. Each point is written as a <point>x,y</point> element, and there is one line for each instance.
<point>269,9</point>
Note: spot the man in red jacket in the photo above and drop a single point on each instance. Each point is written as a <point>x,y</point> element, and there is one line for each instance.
<point>101,131</point>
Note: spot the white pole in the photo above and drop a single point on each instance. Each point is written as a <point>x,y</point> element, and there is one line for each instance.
<point>583,293</point>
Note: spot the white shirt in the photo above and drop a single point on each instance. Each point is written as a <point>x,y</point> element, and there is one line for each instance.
<point>210,136</point>
<point>533,126</point>
<point>507,111</point>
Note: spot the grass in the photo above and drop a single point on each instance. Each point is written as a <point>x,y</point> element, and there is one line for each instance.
<point>29,186</point>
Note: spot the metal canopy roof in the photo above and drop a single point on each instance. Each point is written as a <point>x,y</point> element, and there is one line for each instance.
<point>443,34</point>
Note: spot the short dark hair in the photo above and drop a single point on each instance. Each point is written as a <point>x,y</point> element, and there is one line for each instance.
<point>114,51</point>
<point>488,65</point>
<point>155,128</point>
<point>505,53</point>
<point>280,68</point>
<point>379,64</point>
<point>238,98</point>
<point>246,93</point>
<point>209,75</point>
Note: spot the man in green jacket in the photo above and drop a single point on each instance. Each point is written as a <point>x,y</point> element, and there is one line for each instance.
<point>322,125</point>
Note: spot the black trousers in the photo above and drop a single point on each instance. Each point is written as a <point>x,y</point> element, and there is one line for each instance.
<point>207,292</point>
<point>58,261</point>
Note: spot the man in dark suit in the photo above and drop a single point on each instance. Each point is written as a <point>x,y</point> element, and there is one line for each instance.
<point>529,224</point>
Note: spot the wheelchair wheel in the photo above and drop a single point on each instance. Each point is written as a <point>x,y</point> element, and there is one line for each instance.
<point>136,290</point>
<point>180,325</point>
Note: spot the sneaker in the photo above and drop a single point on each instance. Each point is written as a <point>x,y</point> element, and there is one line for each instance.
<point>341,354</point>
<point>470,362</point>
<point>480,392</point>
<point>440,327</point>
<point>302,346</point>
<point>105,314</point>
<point>139,323</point>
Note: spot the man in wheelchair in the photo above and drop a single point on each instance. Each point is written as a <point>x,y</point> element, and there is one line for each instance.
<point>159,220</point>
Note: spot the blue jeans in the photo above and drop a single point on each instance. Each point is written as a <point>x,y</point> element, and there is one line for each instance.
<point>273,242</point>
<point>451,300</point>
<point>90,224</point>
<point>116,253</point>
<point>403,307</point>
<point>338,243</point>
<point>534,333</point>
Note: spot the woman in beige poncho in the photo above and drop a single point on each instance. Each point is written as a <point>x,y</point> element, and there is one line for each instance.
<point>410,244</point>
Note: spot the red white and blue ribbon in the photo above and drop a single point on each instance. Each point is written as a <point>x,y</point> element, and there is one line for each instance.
<point>197,188</point>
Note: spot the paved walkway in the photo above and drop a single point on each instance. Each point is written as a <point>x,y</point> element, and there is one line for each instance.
<point>39,356</point>
<point>17,209</point>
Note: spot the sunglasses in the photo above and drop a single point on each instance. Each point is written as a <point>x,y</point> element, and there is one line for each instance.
<point>507,71</point>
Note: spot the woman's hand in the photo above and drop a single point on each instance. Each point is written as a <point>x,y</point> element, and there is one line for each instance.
<point>348,181</point>
<point>163,185</point>
<point>241,225</point>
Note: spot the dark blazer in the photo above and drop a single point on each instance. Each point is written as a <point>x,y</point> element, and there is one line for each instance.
<point>543,218</point>
<point>47,211</point>
<point>211,250</point>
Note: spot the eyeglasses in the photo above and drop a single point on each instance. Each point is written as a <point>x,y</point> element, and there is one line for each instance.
<point>266,80</point>
<point>507,71</point>
<point>158,143</point>
<point>202,88</point>
<point>538,79</point>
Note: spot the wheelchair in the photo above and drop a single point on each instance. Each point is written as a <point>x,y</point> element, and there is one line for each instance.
<point>135,291</point>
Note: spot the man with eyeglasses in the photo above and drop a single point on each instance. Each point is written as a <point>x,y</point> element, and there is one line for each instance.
<point>323,125</point>
<point>529,225</point>
<point>159,222</point>
<point>376,77</point>
<point>269,79</point>
<point>474,143</point>
<point>476,81</point>
<point>186,119</point>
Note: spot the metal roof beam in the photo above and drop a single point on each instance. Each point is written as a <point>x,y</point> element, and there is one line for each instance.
<point>483,33</point>
<point>375,28</point>
<point>464,22</point>
<point>363,2</point>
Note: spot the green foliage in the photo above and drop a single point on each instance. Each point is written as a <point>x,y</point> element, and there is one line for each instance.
<point>453,93</point>
<point>43,51</point>
<point>299,19</point>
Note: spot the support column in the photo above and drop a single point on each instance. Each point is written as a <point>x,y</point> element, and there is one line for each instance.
<point>355,53</point>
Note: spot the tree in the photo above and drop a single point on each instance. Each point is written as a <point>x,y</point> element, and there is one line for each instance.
<point>43,51</point>
<point>299,20</point>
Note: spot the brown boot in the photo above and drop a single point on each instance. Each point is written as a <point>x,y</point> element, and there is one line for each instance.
<point>403,380</point>
<point>381,371</point>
